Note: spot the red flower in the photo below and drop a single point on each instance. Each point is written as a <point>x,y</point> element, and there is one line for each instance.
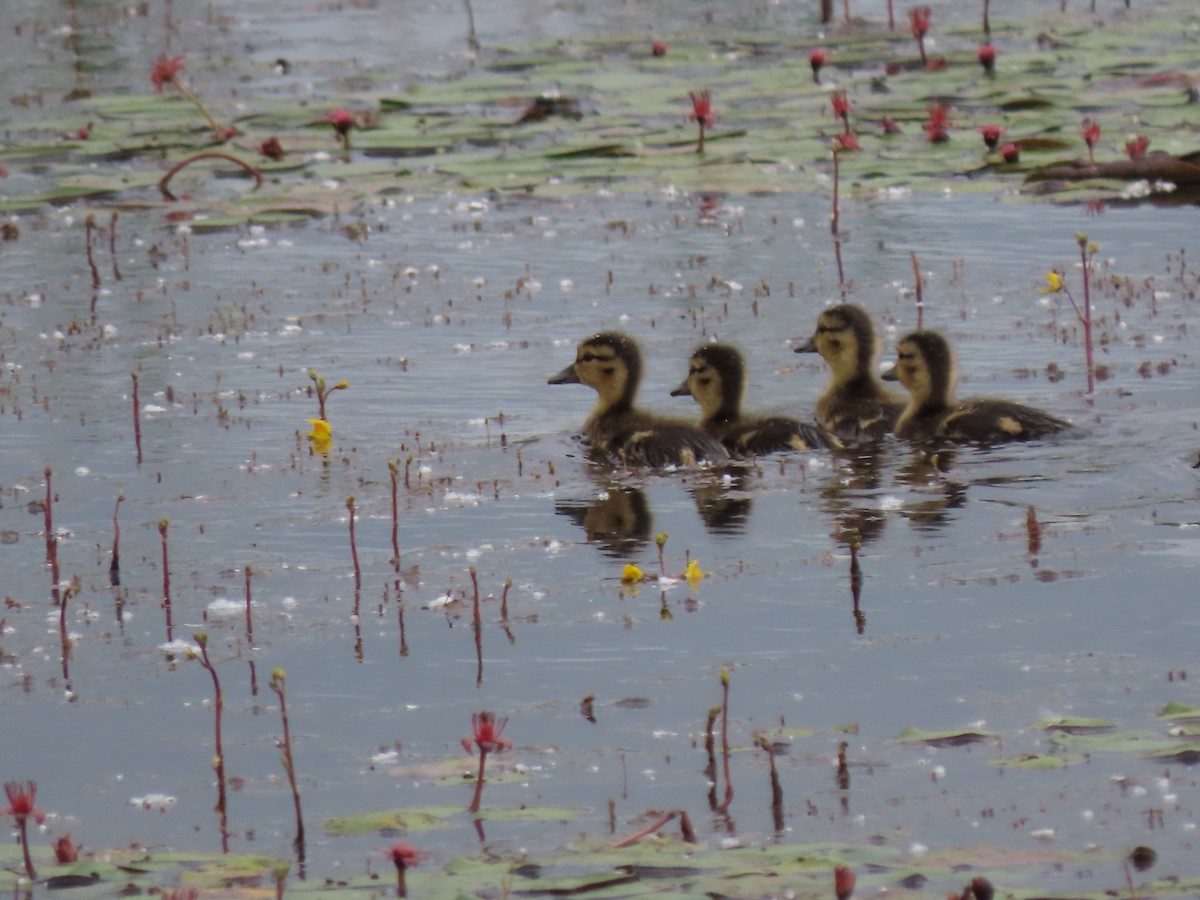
<point>341,119</point>
<point>1136,148</point>
<point>65,851</point>
<point>919,16</point>
<point>889,125</point>
<point>659,48</point>
<point>848,140</point>
<point>1010,153</point>
<point>271,149</point>
<point>1091,132</point>
<point>841,104</point>
<point>987,57</point>
<point>85,132</point>
<point>22,802</point>
<point>991,135</point>
<point>938,124</point>
<point>702,110</point>
<point>404,855</point>
<point>936,64</point>
<point>166,70</point>
<point>843,882</point>
<point>818,58</point>
<point>486,729</point>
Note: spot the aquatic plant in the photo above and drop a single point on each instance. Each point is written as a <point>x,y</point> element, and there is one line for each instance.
<point>702,114</point>
<point>486,734</point>
<point>658,48</point>
<point>987,58</point>
<point>65,850</point>
<point>841,107</point>
<point>114,566</point>
<point>991,135</point>
<point>724,806</point>
<point>342,122</point>
<point>1135,147</point>
<point>22,805</point>
<point>354,548</point>
<point>1010,153</point>
<point>403,855</point>
<point>685,828</point>
<point>1090,131</point>
<point>937,126</point>
<point>137,419</point>
<point>818,59</point>
<point>166,72</point>
<point>320,435</point>
<point>323,390</point>
<point>918,18</point>
<point>843,882</point>
<point>218,763</point>
<point>1056,285</point>
<point>278,685</point>
<point>163,525</point>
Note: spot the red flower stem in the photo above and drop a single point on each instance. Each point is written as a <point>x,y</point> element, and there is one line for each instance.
<point>700,145</point>
<point>394,471</point>
<point>51,540</point>
<point>474,807</point>
<point>891,16</point>
<point>477,624</point>
<point>725,739</point>
<point>217,127</point>
<point>504,599</point>
<point>920,295</point>
<point>921,47</point>
<point>207,154</point>
<point>846,7</point>
<point>987,24</point>
<point>163,525</point>
<point>353,545</point>
<point>89,226</point>
<point>1086,318</point>
<point>114,567</point>
<point>249,620</point>
<point>112,245</point>
<point>833,225</point>
<point>218,752</point>
<point>289,764</point>
<point>137,419</point>
<point>685,826</point>
<point>29,870</point>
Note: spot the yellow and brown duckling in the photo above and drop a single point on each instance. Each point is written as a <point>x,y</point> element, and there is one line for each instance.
<point>611,364</point>
<point>925,366</point>
<point>716,379</point>
<point>855,405</point>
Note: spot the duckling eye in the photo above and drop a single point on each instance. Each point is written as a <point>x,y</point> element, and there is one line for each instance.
<point>587,357</point>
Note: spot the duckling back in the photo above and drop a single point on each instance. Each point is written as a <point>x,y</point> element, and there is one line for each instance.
<point>855,405</point>
<point>611,364</point>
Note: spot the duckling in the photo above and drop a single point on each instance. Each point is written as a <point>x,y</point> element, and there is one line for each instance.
<point>925,365</point>
<point>611,364</point>
<point>716,379</point>
<point>855,406</point>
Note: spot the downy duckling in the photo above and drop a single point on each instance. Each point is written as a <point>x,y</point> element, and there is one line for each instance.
<point>611,364</point>
<point>716,379</point>
<point>855,406</point>
<point>925,366</point>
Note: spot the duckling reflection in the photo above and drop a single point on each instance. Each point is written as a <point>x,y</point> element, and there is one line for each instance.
<point>929,474</point>
<point>850,494</point>
<point>925,366</point>
<point>611,364</point>
<point>724,503</point>
<point>716,379</point>
<point>617,518</point>
<point>855,405</point>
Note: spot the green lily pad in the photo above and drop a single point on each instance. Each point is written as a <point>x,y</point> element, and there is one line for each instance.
<point>913,735</point>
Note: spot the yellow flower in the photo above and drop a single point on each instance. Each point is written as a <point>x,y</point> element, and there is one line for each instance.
<point>321,435</point>
<point>1054,283</point>
<point>693,574</point>
<point>632,575</point>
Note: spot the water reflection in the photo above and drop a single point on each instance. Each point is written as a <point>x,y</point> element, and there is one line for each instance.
<point>847,495</point>
<point>928,473</point>
<point>617,518</point>
<point>724,503</point>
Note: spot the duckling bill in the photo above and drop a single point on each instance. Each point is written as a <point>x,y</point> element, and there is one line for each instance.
<point>611,364</point>
<point>855,405</point>
<point>716,379</point>
<point>925,366</point>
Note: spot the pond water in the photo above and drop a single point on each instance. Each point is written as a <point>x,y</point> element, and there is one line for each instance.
<point>445,316</point>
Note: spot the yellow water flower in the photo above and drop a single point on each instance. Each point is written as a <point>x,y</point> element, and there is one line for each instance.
<point>1054,283</point>
<point>321,435</point>
<point>693,574</point>
<point>631,575</point>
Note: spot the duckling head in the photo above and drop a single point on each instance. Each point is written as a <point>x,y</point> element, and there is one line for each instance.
<point>846,340</point>
<point>716,379</point>
<point>611,364</point>
<point>925,366</point>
